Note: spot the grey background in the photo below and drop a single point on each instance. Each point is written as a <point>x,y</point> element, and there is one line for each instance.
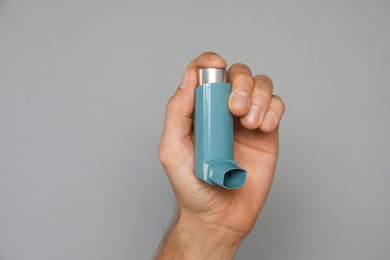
<point>83,85</point>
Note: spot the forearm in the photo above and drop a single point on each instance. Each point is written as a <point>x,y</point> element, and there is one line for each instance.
<point>192,239</point>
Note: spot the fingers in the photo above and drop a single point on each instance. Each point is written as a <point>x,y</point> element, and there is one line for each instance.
<point>252,100</point>
<point>240,76</point>
<point>205,60</point>
<point>178,120</point>
<point>208,60</point>
<point>260,101</point>
<point>273,115</point>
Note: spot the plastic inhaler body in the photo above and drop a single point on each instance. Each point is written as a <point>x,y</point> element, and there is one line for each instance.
<point>214,161</point>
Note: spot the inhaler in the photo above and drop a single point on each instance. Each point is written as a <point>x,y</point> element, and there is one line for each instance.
<point>213,127</point>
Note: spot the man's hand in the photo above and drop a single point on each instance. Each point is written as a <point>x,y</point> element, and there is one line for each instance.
<point>212,221</point>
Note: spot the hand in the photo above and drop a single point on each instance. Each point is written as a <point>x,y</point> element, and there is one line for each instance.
<point>212,218</point>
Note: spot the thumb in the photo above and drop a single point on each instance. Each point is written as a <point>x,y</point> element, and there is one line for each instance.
<point>180,108</point>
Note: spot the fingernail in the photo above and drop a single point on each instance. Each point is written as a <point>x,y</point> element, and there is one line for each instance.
<point>240,99</point>
<point>254,114</point>
<point>269,119</point>
<point>214,56</point>
<point>184,80</point>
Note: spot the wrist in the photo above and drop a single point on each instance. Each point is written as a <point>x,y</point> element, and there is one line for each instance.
<point>208,231</point>
<point>193,238</point>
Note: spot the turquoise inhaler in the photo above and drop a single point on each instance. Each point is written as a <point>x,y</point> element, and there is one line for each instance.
<point>213,127</point>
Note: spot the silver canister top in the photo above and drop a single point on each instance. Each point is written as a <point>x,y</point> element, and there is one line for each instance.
<point>211,75</point>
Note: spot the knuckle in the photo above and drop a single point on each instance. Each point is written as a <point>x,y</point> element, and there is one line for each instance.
<point>162,152</point>
<point>243,80</point>
<point>208,53</point>
<point>279,102</point>
<point>265,79</point>
<point>240,66</point>
<point>171,104</point>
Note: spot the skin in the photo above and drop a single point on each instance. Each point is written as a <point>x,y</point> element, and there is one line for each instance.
<point>213,221</point>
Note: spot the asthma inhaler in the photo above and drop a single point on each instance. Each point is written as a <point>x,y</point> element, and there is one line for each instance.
<point>214,161</point>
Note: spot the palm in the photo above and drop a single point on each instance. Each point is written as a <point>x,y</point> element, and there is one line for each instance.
<point>254,151</point>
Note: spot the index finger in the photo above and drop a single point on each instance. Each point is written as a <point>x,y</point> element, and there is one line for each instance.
<point>205,60</point>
